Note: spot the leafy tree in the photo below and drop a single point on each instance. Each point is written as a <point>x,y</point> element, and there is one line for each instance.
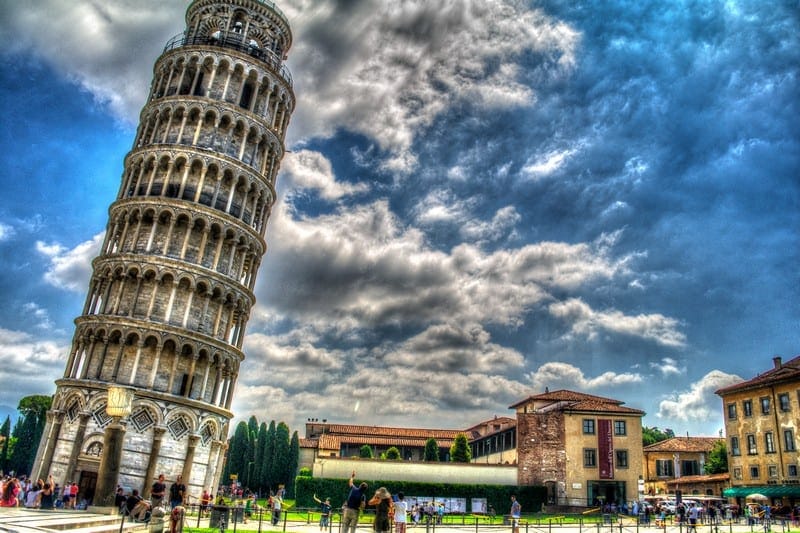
<point>460,451</point>
<point>653,435</point>
<point>431,450</point>
<point>717,462</point>
<point>365,452</point>
<point>29,429</point>
<point>393,454</point>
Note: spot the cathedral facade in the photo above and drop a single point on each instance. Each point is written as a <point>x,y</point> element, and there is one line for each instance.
<point>172,287</point>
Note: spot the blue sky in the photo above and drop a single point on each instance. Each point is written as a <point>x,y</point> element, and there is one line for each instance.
<point>482,199</point>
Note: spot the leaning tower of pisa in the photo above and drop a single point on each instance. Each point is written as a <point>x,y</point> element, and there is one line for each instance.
<point>172,287</point>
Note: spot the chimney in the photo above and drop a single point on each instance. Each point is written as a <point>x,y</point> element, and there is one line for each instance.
<point>776,361</point>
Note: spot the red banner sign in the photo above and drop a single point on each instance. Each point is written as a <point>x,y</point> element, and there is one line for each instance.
<point>605,449</point>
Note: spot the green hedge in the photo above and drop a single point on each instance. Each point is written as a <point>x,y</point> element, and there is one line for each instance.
<point>498,496</point>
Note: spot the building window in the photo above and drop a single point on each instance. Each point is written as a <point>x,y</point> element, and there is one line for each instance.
<point>690,468</point>
<point>622,458</point>
<point>754,472</point>
<point>620,427</point>
<point>732,411</point>
<point>747,408</point>
<point>773,471</point>
<point>588,426</point>
<point>589,457</point>
<point>735,446</point>
<point>665,468</point>
<point>737,473</point>
<point>769,442</point>
<point>765,406</point>
<point>752,449</point>
<point>783,400</point>
<point>788,440</point>
<point>791,470</point>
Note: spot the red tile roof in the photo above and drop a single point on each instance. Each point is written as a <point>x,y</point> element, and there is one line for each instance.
<point>709,478</point>
<point>684,444</point>
<point>578,401</point>
<point>782,372</point>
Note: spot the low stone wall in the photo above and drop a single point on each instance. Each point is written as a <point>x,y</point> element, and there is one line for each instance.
<point>462,473</point>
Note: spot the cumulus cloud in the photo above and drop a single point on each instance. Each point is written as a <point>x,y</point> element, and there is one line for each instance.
<point>70,269</point>
<point>699,402</point>
<point>395,67</point>
<point>107,48</point>
<point>29,363</point>
<point>589,323</point>
<point>306,169</point>
<point>668,366</point>
<point>556,375</point>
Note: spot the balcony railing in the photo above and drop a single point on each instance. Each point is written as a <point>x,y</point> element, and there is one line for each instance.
<point>234,41</point>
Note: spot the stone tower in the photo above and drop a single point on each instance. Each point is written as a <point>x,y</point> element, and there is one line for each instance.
<point>172,287</point>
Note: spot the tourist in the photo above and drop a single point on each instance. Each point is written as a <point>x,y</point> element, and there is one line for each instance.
<point>277,501</point>
<point>47,494</point>
<point>177,492</point>
<point>516,512</point>
<point>157,492</point>
<point>400,510</point>
<point>382,501</point>
<point>10,493</point>
<point>32,496</point>
<point>325,512</point>
<point>356,500</point>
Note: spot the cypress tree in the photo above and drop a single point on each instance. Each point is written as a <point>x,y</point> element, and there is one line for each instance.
<point>269,480</point>
<point>460,451</point>
<point>294,460</point>
<point>431,450</point>
<point>5,432</point>
<point>280,461</point>
<point>260,472</point>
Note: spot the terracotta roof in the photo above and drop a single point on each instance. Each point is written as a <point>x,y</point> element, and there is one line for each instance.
<point>334,442</point>
<point>486,428</point>
<point>308,443</point>
<point>684,444</point>
<point>709,478</point>
<point>350,429</point>
<point>578,401</point>
<point>782,372</point>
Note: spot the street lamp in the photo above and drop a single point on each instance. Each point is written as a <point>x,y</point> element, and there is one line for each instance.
<point>119,405</point>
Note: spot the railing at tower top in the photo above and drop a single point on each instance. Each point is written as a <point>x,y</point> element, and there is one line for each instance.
<point>235,41</point>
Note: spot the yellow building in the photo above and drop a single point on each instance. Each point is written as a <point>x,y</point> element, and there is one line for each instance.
<point>679,464</point>
<point>761,425</point>
<point>585,449</point>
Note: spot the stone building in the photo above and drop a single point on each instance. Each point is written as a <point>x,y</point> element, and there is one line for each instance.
<point>172,288</point>
<point>585,449</point>
<point>761,416</point>
<point>679,463</point>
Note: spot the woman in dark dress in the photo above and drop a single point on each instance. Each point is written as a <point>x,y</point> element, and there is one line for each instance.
<point>383,502</point>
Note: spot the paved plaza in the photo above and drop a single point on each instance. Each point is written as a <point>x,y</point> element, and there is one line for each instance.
<point>21,520</point>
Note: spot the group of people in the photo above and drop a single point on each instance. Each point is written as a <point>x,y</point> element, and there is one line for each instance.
<point>140,509</point>
<point>388,510</point>
<point>24,492</point>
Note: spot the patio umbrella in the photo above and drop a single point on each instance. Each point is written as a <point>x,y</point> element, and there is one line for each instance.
<point>756,496</point>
